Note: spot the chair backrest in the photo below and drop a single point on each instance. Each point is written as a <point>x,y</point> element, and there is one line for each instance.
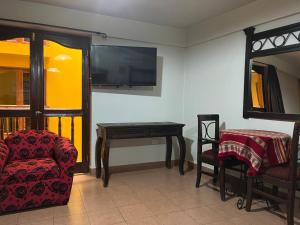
<point>30,144</point>
<point>205,124</point>
<point>294,152</point>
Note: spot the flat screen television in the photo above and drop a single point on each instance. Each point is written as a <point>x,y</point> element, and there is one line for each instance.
<point>123,66</point>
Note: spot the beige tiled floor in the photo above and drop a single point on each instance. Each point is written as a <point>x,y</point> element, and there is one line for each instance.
<point>149,197</point>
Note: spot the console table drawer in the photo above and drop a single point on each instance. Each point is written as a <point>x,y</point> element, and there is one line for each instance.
<point>165,131</point>
<point>132,132</point>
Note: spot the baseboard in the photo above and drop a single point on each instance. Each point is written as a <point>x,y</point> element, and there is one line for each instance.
<point>136,167</point>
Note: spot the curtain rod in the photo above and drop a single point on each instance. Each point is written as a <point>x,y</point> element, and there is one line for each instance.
<point>104,35</point>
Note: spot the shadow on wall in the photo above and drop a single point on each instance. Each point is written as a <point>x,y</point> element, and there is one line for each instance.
<point>146,142</point>
<point>189,156</point>
<point>137,90</point>
<point>191,132</point>
<point>223,126</point>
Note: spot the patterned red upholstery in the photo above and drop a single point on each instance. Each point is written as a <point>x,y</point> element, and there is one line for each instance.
<point>30,170</point>
<point>40,178</point>
<point>4,152</point>
<point>30,144</point>
<point>66,155</point>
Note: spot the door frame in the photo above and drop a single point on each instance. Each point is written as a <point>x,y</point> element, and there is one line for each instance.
<point>37,80</point>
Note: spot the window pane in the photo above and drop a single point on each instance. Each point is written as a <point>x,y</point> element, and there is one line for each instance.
<point>257,90</point>
<point>15,73</point>
<point>63,76</point>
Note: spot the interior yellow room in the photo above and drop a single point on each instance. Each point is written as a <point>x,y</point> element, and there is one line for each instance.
<point>63,80</point>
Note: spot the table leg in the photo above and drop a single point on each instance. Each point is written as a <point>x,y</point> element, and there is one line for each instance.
<point>249,193</point>
<point>105,161</point>
<point>169,151</point>
<point>182,154</point>
<point>222,180</point>
<point>98,157</point>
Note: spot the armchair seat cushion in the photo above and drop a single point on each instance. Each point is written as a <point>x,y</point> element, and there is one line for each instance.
<point>29,170</point>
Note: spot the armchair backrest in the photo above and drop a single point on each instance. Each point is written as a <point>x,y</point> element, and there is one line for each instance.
<point>30,144</point>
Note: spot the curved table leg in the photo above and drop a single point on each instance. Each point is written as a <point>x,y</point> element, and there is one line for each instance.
<point>105,161</point>
<point>169,151</point>
<point>182,154</point>
<point>98,157</point>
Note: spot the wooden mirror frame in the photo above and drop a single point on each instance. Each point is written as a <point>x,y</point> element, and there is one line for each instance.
<point>255,43</point>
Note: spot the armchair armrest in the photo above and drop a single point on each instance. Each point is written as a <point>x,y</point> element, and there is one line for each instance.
<point>4,153</point>
<point>66,155</point>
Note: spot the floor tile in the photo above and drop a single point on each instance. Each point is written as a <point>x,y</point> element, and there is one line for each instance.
<point>131,212</point>
<point>175,218</point>
<point>149,197</point>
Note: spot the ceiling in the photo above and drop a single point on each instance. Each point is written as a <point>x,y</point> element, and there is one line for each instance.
<point>176,13</point>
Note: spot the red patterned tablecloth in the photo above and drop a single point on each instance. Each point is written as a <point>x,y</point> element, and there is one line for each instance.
<point>255,147</point>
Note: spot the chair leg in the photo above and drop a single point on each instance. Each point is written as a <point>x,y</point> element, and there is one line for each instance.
<point>290,205</point>
<point>249,193</point>
<point>216,174</point>
<point>222,182</point>
<point>199,170</point>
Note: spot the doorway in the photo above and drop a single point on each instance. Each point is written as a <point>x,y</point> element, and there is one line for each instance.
<point>44,84</point>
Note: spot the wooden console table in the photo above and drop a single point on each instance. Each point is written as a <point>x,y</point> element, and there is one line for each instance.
<point>109,131</point>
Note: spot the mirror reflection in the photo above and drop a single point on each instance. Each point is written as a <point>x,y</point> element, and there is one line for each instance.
<point>275,83</point>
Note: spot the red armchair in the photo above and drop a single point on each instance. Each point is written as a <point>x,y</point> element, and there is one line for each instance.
<point>36,169</point>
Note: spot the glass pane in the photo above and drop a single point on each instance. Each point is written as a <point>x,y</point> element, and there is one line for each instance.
<point>63,76</point>
<point>15,73</point>
<point>63,88</point>
<point>66,131</point>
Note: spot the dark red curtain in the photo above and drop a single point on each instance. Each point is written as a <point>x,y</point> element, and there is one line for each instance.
<point>273,96</point>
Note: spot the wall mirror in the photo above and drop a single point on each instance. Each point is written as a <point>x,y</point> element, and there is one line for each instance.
<point>272,74</point>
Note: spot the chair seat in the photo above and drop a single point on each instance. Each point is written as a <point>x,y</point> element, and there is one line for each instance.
<point>280,172</point>
<point>29,170</point>
<point>209,157</point>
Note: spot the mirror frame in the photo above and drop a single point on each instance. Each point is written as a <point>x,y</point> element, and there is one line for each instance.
<point>260,39</point>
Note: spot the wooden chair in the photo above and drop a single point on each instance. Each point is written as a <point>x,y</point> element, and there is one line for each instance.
<point>285,176</point>
<point>210,156</point>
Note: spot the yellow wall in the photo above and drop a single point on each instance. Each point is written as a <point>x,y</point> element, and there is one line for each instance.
<point>63,88</point>
<point>257,90</point>
<point>8,87</point>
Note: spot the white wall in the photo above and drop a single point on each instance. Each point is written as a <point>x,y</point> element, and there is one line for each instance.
<point>114,27</point>
<point>290,91</point>
<point>214,83</point>
<point>213,71</point>
<point>260,12</point>
<point>161,103</point>
<point>141,104</point>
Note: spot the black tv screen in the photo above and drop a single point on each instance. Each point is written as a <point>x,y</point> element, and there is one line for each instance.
<point>120,65</point>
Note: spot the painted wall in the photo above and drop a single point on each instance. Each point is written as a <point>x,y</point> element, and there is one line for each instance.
<point>7,87</point>
<point>213,71</point>
<point>290,90</point>
<point>114,27</point>
<point>264,13</point>
<point>141,104</point>
<point>214,82</point>
<point>64,88</point>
